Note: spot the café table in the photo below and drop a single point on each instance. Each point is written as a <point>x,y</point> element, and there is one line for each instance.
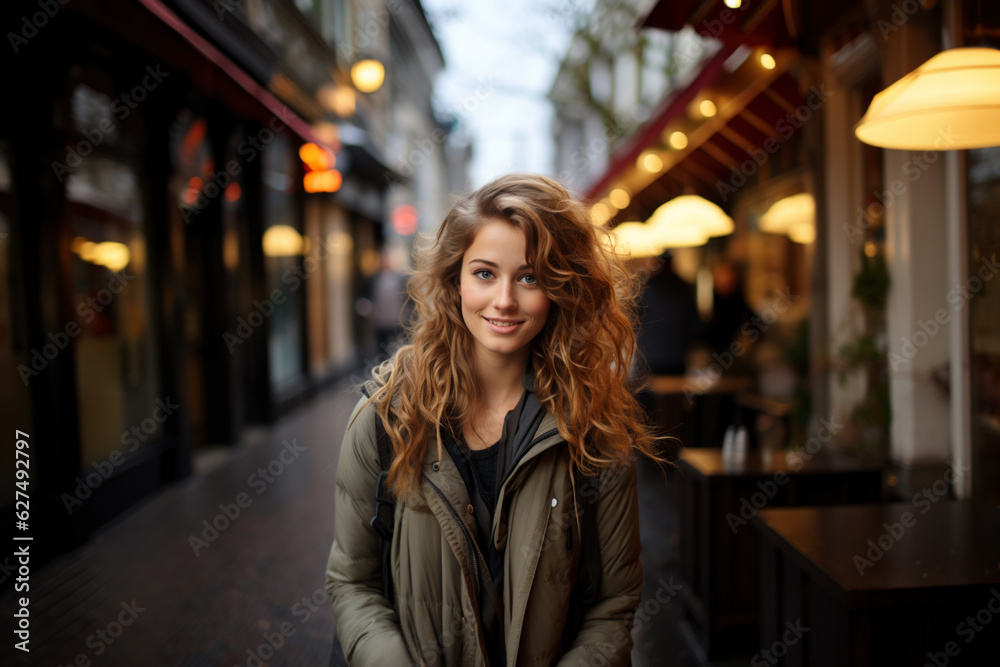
<point>719,552</point>
<point>695,408</point>
<point>911,583</point>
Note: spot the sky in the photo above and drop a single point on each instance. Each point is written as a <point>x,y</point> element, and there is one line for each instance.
<point>501,58</point>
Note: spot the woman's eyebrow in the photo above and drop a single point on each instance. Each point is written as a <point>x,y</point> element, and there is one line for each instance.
<point>495,265</point>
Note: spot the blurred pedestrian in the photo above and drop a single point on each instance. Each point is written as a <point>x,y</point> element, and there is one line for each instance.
<point>515,533</point>
<point>388,304</point>
<point>669,323</point>
<point>730,310</point>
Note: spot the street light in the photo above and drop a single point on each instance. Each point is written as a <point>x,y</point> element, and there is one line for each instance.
<point>367,75</point>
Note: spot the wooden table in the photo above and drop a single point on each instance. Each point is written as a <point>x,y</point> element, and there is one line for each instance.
<point>890,584</point>
<point>694,408</point>
<point>719,551</point>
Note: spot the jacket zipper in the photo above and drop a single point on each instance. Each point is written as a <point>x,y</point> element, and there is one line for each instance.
<point>473,547</point>
<point>548,434</point>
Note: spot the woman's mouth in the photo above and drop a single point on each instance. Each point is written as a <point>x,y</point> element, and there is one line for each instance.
<point>503,326</point>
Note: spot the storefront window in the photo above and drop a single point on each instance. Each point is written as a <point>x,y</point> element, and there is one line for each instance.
<point>983,288</point>
<point>117,374</point>
<point>190,188</point>
<point>284,247</point>
<point>340,287</point>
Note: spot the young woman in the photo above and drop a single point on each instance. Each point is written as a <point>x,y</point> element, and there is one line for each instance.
<point>510,420</point>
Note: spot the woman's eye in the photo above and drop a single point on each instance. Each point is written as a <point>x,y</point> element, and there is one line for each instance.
<point>529,279</point>
<point>483,274</point>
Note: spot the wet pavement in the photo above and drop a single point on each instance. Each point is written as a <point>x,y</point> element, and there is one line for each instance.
<point>227,566</point>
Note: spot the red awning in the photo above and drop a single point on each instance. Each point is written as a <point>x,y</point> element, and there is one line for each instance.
<point>755,23</point>
<point>649,133</point>
<point>204,63</point>
<point>759,119</point>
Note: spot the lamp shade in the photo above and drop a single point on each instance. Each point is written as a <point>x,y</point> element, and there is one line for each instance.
<point>951,102</point>
<point>794,216</point>
<point>635,239</point>
<point>787,213</point>
<point>692,211</point>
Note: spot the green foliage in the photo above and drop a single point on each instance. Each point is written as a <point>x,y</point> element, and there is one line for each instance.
<point>872,415</point>
<point>861,352</point>
<point>871,283</point>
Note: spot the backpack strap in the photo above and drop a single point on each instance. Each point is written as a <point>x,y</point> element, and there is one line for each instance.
<point>385,506</point>
<point>591,553</point>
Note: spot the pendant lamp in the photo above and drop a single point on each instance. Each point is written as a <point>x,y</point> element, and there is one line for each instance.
<point>951,102</point>
<point>794,216</point>
<point>692,211</point>
<point>635,239</point>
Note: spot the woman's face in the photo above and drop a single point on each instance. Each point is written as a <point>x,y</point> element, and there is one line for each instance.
<point>502,304</point>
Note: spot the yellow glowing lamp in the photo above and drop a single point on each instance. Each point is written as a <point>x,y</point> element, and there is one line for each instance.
<point>803,232</point>
<point>651,162</point>
<point>282,241</point>
<point>115,256</point>
<point>692,211</point>
<point>788,212</point>
<point>680,236</point>
<point>619,198</point>
<point>600,213</point>
<point>87,250</point>
<point>635,239</point>
<point>367,75</point>
<point>951,102</point>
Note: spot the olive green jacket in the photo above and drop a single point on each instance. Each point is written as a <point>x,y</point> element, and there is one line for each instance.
<point>435,618</point>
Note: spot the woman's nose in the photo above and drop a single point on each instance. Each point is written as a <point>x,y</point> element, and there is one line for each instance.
<point>504,299</point>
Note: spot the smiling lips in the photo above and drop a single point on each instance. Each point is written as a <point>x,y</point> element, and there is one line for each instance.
<point>503,326</point>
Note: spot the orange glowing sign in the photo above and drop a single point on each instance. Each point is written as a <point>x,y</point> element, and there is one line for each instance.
<point>328,180</point>
<point>317,158</point>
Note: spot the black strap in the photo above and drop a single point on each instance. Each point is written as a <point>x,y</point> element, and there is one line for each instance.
<point>591,554</point>
<point>385,506</point>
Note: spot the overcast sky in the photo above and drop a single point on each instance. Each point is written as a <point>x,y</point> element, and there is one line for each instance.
<point>501,57</point>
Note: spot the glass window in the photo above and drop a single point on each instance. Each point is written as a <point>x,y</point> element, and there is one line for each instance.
<point>340,286</point>
<point>190,188</point>
<point>117,374</point>
<point>284,272</point>
<point>983,290</point>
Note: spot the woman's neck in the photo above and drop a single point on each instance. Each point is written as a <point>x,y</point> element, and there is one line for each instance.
<point>500,385</point>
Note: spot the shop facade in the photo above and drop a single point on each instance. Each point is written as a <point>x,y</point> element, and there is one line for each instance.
<point>893,286</point>
<point>166,279</point>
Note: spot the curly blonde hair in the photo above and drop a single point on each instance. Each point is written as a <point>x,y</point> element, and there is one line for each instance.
<point>581,359</point>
